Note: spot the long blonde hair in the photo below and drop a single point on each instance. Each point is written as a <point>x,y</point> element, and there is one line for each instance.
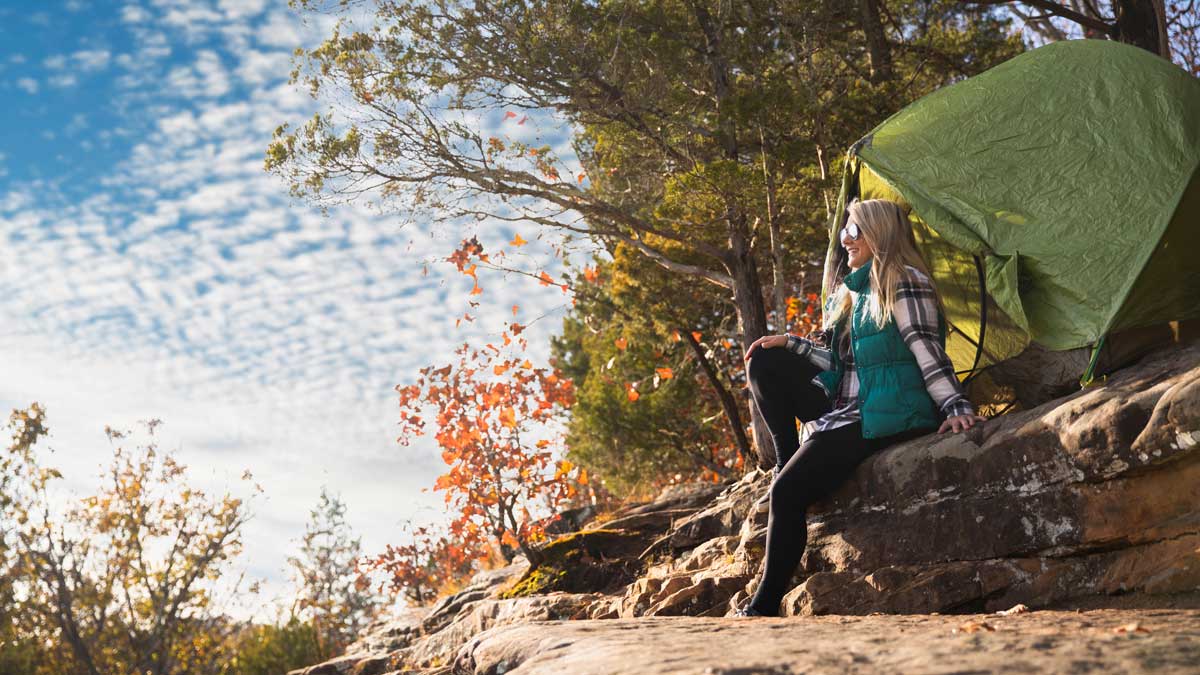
<point>885,228</point>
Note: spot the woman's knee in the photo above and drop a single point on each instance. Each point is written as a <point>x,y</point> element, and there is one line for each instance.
<point>766,363</point>
<point>791,494</point>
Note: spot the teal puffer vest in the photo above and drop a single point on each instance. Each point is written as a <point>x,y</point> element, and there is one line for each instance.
<point>891,391</point>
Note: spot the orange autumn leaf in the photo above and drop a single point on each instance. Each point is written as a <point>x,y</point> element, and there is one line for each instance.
<point>591,274</point>
<point>518,241</point>
<point>581,177</point>
<point>500,368</point>
<point>514,310</point>
<point>509,114</point>
<point>546,279</point>
<point>676,336</point>
<point>696,335</point>
<point>508,417</point>
<point>631,393</point>
<point>583,477</point>
<point>620,343</point>
<point>665,373</point>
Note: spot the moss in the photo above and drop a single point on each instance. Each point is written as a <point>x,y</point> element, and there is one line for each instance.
<point>589,560</point>
<point>535,582</point>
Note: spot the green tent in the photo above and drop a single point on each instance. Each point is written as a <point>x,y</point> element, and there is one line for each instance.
<point>1055,196</point>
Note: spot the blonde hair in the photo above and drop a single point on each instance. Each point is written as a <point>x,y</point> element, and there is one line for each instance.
<point>885,228</point>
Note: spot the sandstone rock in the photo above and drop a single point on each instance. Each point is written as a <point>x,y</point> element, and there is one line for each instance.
<point>1038,642</point>
<point>438,649</point>
<point>1075,493</point>
<point>608,557</point>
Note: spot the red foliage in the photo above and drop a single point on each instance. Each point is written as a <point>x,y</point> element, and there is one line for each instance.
<point>490,410</point>
<point>428,564</point>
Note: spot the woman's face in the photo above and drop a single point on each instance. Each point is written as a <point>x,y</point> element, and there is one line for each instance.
<point>858,250</point>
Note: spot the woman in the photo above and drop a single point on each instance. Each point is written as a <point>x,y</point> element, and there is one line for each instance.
<point>884,379</point>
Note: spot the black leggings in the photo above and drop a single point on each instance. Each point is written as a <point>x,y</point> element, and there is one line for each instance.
<point>781,383</point>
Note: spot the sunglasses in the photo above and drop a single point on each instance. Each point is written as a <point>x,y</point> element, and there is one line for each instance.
<point>850,231</point>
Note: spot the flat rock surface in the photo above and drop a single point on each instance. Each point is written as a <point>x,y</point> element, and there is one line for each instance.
<point>1162,640</point>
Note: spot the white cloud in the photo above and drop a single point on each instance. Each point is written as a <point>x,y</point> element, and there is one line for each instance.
<point>91,60</point>
<point>77,124</point>
<point>62,80</point>
<point>281,30</point>
<point>258,68</point>
<point>28,84</point>
<point>135,14</point>
<point>206,77</point>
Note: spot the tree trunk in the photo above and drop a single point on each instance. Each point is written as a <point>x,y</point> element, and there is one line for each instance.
<point>752,324</point>
<point>878,50</point>
<point>728,402</point>
<point>1143,23</point>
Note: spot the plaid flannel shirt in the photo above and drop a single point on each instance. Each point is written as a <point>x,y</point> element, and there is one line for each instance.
<point>916,314</point>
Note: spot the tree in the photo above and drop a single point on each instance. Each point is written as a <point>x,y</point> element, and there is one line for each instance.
<point>337,606</point>
<point>272,649</point>
<point>429,564</point>
<point>124,580</point>
<point>1168,29</point>
<point>502,480</point>
<point>714,111</point>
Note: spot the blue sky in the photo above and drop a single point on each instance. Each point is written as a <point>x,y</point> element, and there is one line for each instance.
<point>151,269</point>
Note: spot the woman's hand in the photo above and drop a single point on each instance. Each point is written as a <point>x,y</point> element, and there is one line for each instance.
<point>767,342</point>
<point>960,423</point>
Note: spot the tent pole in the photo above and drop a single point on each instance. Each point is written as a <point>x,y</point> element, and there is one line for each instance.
<point>982,318</point>
<point>1088,378</point>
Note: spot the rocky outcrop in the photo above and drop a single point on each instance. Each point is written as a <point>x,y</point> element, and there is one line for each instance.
<point>1050,642</point>
<point>602,556</point>
<point>1094,493</point>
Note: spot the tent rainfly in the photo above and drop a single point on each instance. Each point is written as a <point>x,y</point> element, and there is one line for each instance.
<point>1055,196</point>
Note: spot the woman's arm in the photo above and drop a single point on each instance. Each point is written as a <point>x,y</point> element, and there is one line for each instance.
<point>916,315</point>
<point>821,358</point>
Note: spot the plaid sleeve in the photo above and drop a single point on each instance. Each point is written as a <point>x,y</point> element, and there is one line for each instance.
<point>916,315</point>
<point>821,358</point>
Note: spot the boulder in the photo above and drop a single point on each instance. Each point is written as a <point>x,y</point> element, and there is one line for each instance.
<point>1095,493</point>
<point>438,649</point>
<point>1039,642</point>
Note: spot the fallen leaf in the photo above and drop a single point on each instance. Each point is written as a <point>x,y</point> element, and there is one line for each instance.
<point>1015,609</point>
<point>973,627</point>
<point>1134,627</point>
